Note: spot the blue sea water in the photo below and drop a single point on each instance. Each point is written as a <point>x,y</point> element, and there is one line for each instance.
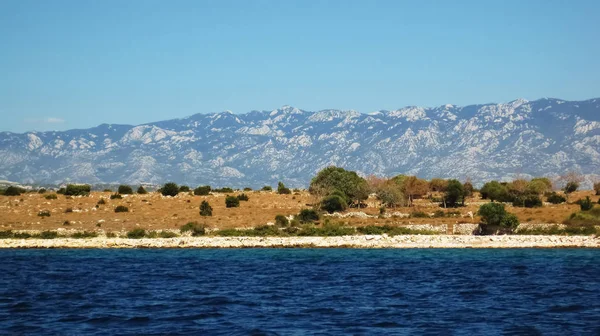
<point>300,291</point>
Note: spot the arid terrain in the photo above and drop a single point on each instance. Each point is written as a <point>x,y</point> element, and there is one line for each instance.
<point>155,212</point>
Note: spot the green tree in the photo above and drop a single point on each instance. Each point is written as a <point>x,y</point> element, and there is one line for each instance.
<point>13,191</point>
<point>205,209</point>
<point>539,186</point>
<point>170,189</point>
<point>184,188</point>
<point>597,188</point>
<point>202,190</point>
<point>334,178</point>
<point>307,216</point>
<point>495,192</point>
<point>125,190</point>
<point>495,215</point>
<point>141,190</point>
<point>78,190</point>
<point>455,194</point>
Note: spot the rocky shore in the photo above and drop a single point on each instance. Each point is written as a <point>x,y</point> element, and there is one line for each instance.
<point>358,241</point>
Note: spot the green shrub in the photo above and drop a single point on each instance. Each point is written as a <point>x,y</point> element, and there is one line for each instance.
<point>48,235</point>
<point>116,196</point>
<point>247,189</point>
<point>243,197</point>
<point>281,189</point>
<point>125,190</point>
<point>78,189</point>
<point>101,201</point>
<point>586,204</point>
<point>195,229</point>
<point>281,221</point>
<point>13,191</point>
<point>184,188</point>
<point>232,202</point>
<point>418,214</point>
<point>61,191</point>
<point>66,223</point>
<point>224,190</point>
<point>307,216</point>
<point>141,190</point>
<point>328,230</point>
<point>439,214</point>
<point>170,189</point>
<point>111,235</point>
<point>68,210</point>
<point>121,208</point>
<point>494,215</point>
<point>167,234</point>
<point>107,190</point>
<point>555,198</point>
<point>41,191</point>
<point>6,234</point>
<point>136,234</point>
<point>202,190</point>
<point>84,234</point>
<point>267,188</point>
<point>510,222</point>
<point>530,201</point>
<point>392,230</point>
<point>571,187</point>
<point>44,213</point>
<point>333,203</point>
<point>205,209</point>
<point>50,196</point>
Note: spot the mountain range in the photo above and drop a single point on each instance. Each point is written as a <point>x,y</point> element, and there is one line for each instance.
<point>545,137</point>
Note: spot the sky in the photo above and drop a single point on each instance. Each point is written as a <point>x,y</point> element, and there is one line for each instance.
<point>81,63</point>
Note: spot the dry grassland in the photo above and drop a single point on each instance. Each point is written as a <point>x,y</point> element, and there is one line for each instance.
<point>155,212</point>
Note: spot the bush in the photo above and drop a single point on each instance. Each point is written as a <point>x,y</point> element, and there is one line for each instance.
<point>247,189</point>
<point>51,196</point>
<point>281,221</point>
<point>531,201</point>
<point>307,216</point>
<point>328,230</point>
<point>224,190</point>
<point>184,188</point>
<point>418,214</point>
<point>13,191</point>
<point>136,234</point>
<point>78,189</point>
<point>582,218</point>
<point>84,234</point>
<point>141,190</point>
<point>41,191</point>
<point>586,204</point>
<point>205,209</point>
<point>455,193</point>
<point>101,201</point>
<point>232,202</point>
<point>495,215</point>
<point>107,190</point>
<point>116,196</point>
<point>333,203</point>
<point>202,191</point>
<point>125,190</point>
<point>243,197</point>
<point>44,213</point>
<point>439,214</point>
<point>571,187</point>
<point>267,188</point>
<point>61,191</point>
<point>48,235</point>
<point>111,235</point>
<point>195,229</point>
<point>281,189</point>
<point>167,234</point>
<point>597,188</point>
<point>555,198</point>
<point>170,189</point>
<point>121,208</point>
<point>392,230</point>
<point>68,210</point>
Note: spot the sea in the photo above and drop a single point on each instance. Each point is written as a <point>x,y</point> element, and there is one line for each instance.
<point>300,292</point>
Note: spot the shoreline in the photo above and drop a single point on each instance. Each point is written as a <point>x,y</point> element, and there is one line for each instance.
<point>355,241</point>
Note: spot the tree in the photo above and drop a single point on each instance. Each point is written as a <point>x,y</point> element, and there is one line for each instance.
<point>333,203</point>
<point>202,190</point>
<point>438,184</point>
<point>13,191</point>
<point>412,187</point>
<point>184,188</point>
<point>170,189</point>
<point>539,186</point>
<point>141,190</point>
<point>282,221</point>
<point>572,180</point>
<point>78,190</point>
<point>267,188</point>
<point>281,189</point>
<point>125,190</point>
<point>334,178</point>
<point>232,202</point>
<point>468,187</point>
<point>455,193</point>
<point>307,216</point>
<point>495,192</point>
<point>597,188</point>
<point>205,209</point>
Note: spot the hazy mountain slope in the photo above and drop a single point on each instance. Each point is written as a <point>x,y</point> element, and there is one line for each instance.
<point>542,137</point>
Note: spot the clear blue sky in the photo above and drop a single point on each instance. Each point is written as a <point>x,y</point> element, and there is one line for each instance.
<point>76,64</point>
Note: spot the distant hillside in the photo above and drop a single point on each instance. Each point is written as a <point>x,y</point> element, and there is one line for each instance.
<point>545,137</point>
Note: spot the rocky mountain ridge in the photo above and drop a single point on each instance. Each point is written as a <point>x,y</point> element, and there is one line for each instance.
<point>546,137</point>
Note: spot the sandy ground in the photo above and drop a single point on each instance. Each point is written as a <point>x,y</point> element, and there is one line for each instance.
<point>156,212</point>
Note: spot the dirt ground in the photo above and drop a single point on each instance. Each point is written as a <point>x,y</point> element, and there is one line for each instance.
<point>156,212</point>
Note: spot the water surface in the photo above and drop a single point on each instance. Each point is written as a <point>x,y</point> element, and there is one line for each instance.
<point>300,291</point>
